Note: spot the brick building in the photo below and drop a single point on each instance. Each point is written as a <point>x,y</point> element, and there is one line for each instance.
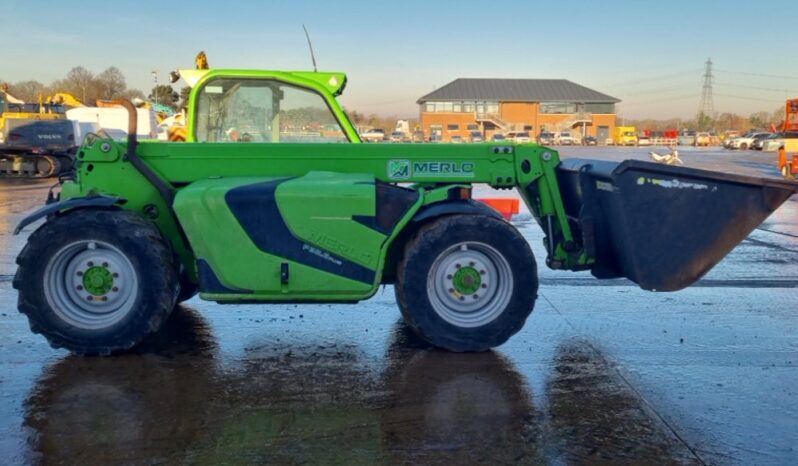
<point>493,106</point>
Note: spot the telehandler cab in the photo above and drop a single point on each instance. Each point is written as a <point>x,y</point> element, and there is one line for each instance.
<point>272,199</point>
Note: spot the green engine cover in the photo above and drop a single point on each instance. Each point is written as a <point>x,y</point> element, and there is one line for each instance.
<point>313,237</point>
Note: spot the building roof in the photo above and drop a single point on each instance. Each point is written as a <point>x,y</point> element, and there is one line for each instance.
<point>517,90</point>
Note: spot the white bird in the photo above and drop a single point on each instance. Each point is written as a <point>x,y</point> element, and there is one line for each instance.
<point>667,159</point>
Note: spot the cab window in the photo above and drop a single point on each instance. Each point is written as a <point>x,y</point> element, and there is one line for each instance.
<point>258,110</point>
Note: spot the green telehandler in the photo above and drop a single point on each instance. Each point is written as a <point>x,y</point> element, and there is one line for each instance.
<point>272,199</point>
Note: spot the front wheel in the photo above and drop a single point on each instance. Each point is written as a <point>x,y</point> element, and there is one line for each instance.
<point>467,282</point>
<point>96,281</point>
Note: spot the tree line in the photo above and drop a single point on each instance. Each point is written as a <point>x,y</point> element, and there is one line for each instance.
<point>719,123</point>
<point>89,87</point>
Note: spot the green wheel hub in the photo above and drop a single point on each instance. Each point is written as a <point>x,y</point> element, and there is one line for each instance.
<point>98,280</point>
<point>467,280</point>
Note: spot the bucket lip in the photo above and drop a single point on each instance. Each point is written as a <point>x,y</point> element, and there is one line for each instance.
<point>613,169</point>
<point>726,177</point>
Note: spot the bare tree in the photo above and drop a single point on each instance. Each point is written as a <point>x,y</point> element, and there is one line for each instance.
<point>28,91</point>
<point>79,82</point>
<point>111,83</point>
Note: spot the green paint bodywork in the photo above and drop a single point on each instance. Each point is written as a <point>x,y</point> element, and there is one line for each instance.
<point>326,186</point>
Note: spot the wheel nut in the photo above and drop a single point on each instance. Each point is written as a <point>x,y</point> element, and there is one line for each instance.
<point>472,264</point>
<point>105,264</point>
<point>482,272</point>
<point>90,264</point>
<point>484,285</point>
<point>451,290</point>
<point>462,298</point>
<point>448,277</point>
<point>457,265</point>
<point>90,298</point>
<point>103,298</point>
<point>80,287</point>
<point>115,289</point>
<point>115,275</point>
<point>476,296</point>
<point>80,274</point>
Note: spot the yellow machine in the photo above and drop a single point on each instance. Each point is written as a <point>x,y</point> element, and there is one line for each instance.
<point>36,140</point>
<point>625,136</point>
<point>63,99</point>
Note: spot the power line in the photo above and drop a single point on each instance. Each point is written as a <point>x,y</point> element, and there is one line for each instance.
<point>761,75</point>
<point>654,79</point>
<point>659,90</point>
<point>767,89</point>
<point>748,98</point>
<point>666,99</point>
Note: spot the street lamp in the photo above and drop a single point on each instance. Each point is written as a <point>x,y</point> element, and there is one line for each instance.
<point>155,78</point>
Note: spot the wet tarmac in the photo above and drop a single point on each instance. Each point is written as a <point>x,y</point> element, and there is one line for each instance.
<point>602,373</point>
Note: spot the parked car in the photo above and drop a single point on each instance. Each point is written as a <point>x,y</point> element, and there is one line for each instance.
<point>702,139</point>
<point>546,138</point>
<point>498,138</point>
<point>687,138</point>
<point>373,135</point>
<point>589,141</point>
<point>399,136</point>
<point>746,141</point>
<point>772,145</point>
<point>520,137</point>
<point>456,140</point>
<point>565,139</point>
<point>643,141</point>
<point>476,136</point>
<point>759,143</point>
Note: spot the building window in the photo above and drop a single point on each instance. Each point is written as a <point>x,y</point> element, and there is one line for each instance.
<point>492,107</point>
<point>457,107</point>
<point>557,107</point>
<point>468,107</point>
<point>528,127</point>
<point>453,127</point>
<point>429,107</point>
<point>600,108</point>
<point>473,127</point>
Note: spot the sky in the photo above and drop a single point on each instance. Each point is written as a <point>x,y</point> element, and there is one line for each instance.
<point>649,54</point>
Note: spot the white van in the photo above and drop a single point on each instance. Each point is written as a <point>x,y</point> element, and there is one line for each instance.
<point>114,120</point>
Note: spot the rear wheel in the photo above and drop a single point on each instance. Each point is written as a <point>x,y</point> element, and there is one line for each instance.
<point>467,282</point>
<point>96,281</point>
<point>743,146</point>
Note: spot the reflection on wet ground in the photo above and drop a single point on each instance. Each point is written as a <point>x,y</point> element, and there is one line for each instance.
<point>603,373</point>
<point>174,403</point>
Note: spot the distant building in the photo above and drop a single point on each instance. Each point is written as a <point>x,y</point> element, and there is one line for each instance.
<point>493,106</point>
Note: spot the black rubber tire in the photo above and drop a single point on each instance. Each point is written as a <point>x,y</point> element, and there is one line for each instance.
<point>143,245</point>
<point>433,239</point>
<point>743,146</point>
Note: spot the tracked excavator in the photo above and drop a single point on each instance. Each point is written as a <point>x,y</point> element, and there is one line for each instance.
<point>36,139</point>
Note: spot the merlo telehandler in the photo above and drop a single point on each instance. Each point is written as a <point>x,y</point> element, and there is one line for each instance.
<point>272,199</point>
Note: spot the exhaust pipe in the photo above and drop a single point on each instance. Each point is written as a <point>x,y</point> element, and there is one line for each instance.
<point>165,189</point>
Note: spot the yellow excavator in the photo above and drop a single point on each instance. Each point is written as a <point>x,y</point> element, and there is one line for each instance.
<point>64,99</point>
<point>36,139</point>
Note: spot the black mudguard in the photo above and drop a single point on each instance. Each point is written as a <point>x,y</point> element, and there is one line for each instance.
<point>75,202</point>
<point>468,207</point>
